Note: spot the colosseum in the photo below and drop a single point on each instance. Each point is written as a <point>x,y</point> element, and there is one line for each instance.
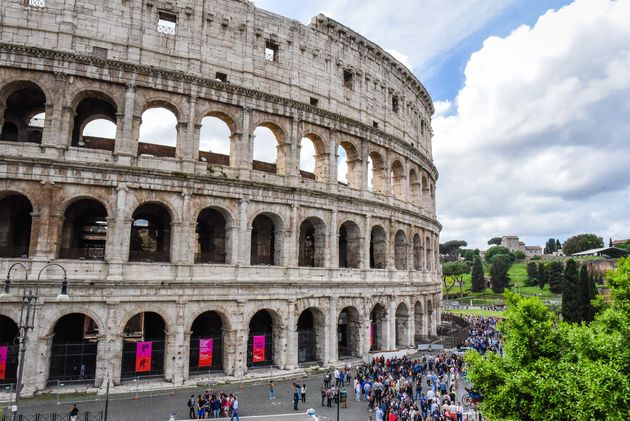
<point>188,259</point>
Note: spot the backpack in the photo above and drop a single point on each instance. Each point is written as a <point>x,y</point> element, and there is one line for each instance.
<point>189,403</point>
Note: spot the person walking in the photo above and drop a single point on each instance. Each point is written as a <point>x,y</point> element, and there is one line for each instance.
<point>296,398</point>
<point>235,409</point>
<point>303,392</point>
<point>272,390</point>
<point>322,390</point>
<point>74,412</point>
<point>191,408</point>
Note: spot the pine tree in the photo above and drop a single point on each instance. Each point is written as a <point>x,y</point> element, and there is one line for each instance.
<point>478,280</point>
<point>541,275</point>
<point>585,298</point>
<point>592,293</point>
<point>532,274</point>
<point>558,245</point>
<point>572,298</point>
<point>553,276</point>
<point>499,278</point>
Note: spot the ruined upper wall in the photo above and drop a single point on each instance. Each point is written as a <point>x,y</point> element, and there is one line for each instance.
<point>230,36</point>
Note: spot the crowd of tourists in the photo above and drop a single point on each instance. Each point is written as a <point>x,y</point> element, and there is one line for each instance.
<point>483,335</point>
<point>212,404</point>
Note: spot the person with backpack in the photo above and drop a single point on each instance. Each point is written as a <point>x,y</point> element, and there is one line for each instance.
<point>191,408</point>
<point>74,412</point>
<point>235,409</point>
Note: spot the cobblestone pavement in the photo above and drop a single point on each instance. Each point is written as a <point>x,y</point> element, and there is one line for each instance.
<point>253,398</point>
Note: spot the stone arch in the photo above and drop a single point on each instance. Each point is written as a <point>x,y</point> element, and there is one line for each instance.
<point>21,101</point>
<point>213,236</point>
<point>264,338</point>
<point>89,106</point>
<point>402,326</point>
<point>151,233</point>
<point>159,140</point>
<point>398,179</point>
<point>312,242</point>
<point>84,230</point>
<point>349,245</point>
<point>415,187</point>
<point>318,170</point>
<point>348,160</point>
<point>378,327</point>
<point>15,225</point>
<point>417,252</point>
<point>74,346</point>
<point>216,138</point>
<point>144,345</point>
<point>400,250</point>
<point>264,157</point>
<point>376,173</point>
<point>207,350</point>
<point>310,335</point>
<point>9,334</point>
<point>348,332</point>
<point>266,239</point>
<point>378,248</point>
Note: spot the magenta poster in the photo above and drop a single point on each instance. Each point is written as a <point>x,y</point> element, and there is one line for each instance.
<point>143,356</point>
<point>205,352</point>
<point>371,335</point>
<point>4,351</point>
<point>259,349</point>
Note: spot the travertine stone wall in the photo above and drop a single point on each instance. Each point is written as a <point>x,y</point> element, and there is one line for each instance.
<point>113,50</point>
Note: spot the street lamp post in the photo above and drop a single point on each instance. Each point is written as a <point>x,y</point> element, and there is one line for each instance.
<point>27,319</point>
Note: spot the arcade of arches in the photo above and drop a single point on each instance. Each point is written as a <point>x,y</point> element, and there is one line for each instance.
<point>148,345</point>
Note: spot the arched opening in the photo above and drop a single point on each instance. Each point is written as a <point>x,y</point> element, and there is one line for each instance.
<point>265,146</point>
<point>348,165</point>
<point>310,329</point>
<point>398,179</point>
<point>429,254</point>
<point>378,248</point>
<point>426,192</point>
<point>376,173</point>
<point>15,226</point>
<point>402,326</point>
<point>84,231</point>
<point>100,112</point>
<point>214,140</point>
<point>349,245</point>
<point>414,187</point>
<point>211,237</point>
<point>418,322</point>
<point>206,343</point>
<point>312,243</point>
<point>8,350</point>
<point>150,234</point>
<point>261,344</point>
<point>400,250</point>
<point>144,345</point>
<point>74,345</point>
<point>348,333</point>
<point>263,245</point>
<point>378,324</point>
<point>24,116</point>
<point>312,158</point>
<point>417,252</point>
<point>158,132</point>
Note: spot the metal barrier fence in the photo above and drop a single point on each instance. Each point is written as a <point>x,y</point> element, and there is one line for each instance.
<point>84,416</point>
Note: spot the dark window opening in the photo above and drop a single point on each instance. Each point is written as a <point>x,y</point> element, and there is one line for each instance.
<point>347,78</point>
<point>375,124</point>
<point>314,102</point>
<point>144,344</point>
<point>260,343</point>
<point>150,234</point>
<point>84,231</point>
<point>8,338</point>
<point>263,241</point>
<point>15,226</point>
<point>99,52</point>
<point>211,237</point>
<point>24,116</point>
<point>222,77</point>
<point>206,343</point>
<point>395,104</point>
<point>271,51</point>
<point>73,351</point>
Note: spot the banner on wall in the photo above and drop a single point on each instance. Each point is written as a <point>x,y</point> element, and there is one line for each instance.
<point>259,349</point>
<point>371,335</point>
<point>143,356</point>
<point>4,352</point>
<point>205,352</point>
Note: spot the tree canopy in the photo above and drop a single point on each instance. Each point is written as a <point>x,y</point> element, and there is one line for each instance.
<point>494,240</point>
<point>477,277</point>
<point>581,242</point>
<point>451,249</point>
<point>494,251</point>
<point>553,370</point>
<point>499,278</point>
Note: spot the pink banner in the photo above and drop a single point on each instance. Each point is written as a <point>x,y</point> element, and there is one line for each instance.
<point>4,351</point>
<point>143,356</point>
<point>371,335</point>
<point>259,349</point>
<point>205,352</point>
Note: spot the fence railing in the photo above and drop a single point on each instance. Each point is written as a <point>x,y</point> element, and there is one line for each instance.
<point>83,416</point>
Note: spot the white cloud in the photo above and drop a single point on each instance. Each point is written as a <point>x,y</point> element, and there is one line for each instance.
<point>404,59</point>
<point>537,142</point>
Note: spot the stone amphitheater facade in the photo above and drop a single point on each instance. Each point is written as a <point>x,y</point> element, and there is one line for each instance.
<point>173,246</point>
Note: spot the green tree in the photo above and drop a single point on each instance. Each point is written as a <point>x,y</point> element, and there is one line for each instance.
<point>558,245</point>
<point>519,256</point>
<point>469,254</point>
<point>455,271</point>
<point>542,275</point>
<point>581,242</point>
<point>588,292</point>
<point>499,278</point>
<point>494,251</point>
<point>532,274</point>
<point>478,280</point>
<point>553,370</point>
<point>550,246</point>
<point>554,272</point>
<point>494,240</point>
<point>451,249</point>
<point>571,294</point>
<point>625,245</point>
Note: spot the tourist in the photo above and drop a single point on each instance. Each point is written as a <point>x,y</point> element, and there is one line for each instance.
<point>191,407</point>
<point>322,390</point>
<point>235,410</point>
<point>272,390</point>
<point>303,390</point>
<point>74,412</point>
<point>296,397</point>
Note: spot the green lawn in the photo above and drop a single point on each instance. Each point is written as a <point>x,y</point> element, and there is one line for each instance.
<point>473,312</point>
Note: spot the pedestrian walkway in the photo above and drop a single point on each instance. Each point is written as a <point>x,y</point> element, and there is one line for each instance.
<point>284,417</point>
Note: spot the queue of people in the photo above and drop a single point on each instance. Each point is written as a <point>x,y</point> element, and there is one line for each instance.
<point>212,404</point>
<point>483,335</point>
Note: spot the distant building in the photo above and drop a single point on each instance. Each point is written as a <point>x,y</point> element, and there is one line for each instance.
<point>512,243</point>
<point>531,251</point>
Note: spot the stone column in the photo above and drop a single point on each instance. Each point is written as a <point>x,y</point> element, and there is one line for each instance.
<point>244,234</point>
<point>391,245</point>
<point>334,240</point>
<point>185,357</point>
<point>292,337</point>
<point>232,232</point>
<point>231,342</point>
<point>180,368</point>
<point>56,133</point>
<point>293,238</point>
<point>390,323</point>
<point>367,242</point>
<point>114,343</point>
<point>365,344</point>
<point>411,326</point>
<point>332,163</point>
<point>332,354</point>
<point>126,146</point>
<point>244,147</point>
<point>169,353</point>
